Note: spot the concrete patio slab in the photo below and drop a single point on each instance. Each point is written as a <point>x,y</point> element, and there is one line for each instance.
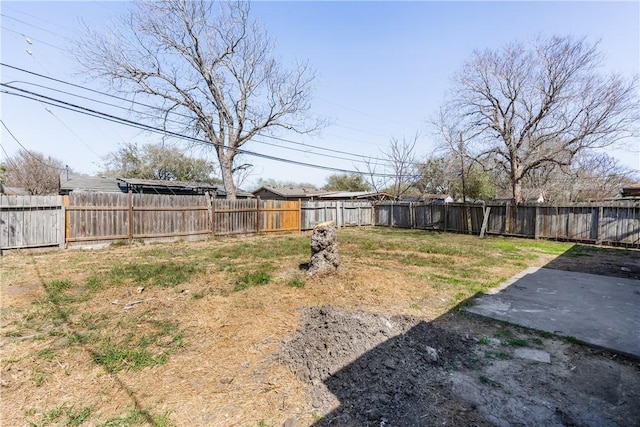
<point>599,310</point>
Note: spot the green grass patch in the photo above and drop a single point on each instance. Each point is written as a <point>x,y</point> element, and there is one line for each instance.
<point>135,352</point>
<point>137,417</point>
<point>515,342</point>
<point>55,292</point>
<point>296,282</point>
<point>163,274</point>
<point>116,359</point>
<point>251,279</point>
<point>504,333</point>
<point>65,415</point>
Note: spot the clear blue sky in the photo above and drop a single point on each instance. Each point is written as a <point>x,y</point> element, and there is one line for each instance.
<point>383,68</point>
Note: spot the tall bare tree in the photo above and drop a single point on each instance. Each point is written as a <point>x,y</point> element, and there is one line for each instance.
<point>395,170</point>
<point>207,66</point>
<point>531,106</point>
<point>34,172</point>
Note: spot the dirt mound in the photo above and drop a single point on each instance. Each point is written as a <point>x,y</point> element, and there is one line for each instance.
<point>367,369</point>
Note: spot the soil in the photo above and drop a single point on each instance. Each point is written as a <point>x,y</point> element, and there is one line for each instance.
<point>365,369</point>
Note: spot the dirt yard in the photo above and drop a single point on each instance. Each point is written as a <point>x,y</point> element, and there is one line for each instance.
<point>233,333</point>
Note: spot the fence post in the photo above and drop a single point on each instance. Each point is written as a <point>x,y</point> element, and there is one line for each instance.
<point>67,221</point>
<point>62,221</point>
<point>599,225</point>
<point>258,216</point>
<point>536,226</point>
<point>130,202</point>
<point>214,202</point>
<point>446,215</point>
<point>391,215</point>
<point>412,215</point>
<point>299,216</point>
<point>485,220</point>
<point>209,210</point>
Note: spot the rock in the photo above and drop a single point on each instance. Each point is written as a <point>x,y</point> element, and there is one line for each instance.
<point>432,353</point>
<point>291,422</point>
<point>533,354</point>
<point>324,249</point>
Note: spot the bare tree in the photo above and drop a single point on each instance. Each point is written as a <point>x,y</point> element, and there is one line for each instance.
<point>34,172</point>
<point>209,70</point>
<point>531,107</point>
<point>395,171</point>
<point>591,177</point>
<point>455,136</point>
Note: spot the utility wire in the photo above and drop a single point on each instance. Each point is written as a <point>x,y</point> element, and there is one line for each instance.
<point>33,38</point>
<point>177,122</point>
<point>179,114</point>
<point>34,26</point>
<point>25,148</point>
<point>84,110</point>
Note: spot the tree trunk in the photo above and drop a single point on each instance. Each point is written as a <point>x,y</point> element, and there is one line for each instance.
<point>226,166</point>
<point>516,179</point>
<point>516,186</point>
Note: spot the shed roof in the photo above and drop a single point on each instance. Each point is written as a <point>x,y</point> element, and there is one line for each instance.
<point>13,191</point>
<point>191,186</point>
<point>293,192</point>
<point>73,182</point>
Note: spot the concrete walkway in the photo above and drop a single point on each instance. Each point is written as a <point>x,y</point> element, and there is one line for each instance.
<point>599,310</point>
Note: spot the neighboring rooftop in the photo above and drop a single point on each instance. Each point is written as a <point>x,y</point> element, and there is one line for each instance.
<point>72,182</point>
<point>632,190</point>
<point>13,191</point>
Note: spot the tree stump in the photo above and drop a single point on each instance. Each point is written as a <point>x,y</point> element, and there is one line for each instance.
<point>324,249</point>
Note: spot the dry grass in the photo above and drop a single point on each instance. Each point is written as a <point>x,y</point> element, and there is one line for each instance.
<point>194,351</point>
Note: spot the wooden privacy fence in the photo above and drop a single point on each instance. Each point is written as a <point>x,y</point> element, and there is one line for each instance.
<point>595,223</point>
<point>31,221</point>
<point>110,217</point>
<point>90,218</point>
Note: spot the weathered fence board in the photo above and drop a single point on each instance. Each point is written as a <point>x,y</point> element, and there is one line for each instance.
<point>347,213</point>
<point>235,217</point>
<point>31,221</point>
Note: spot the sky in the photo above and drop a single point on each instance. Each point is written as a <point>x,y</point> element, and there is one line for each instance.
<point>383,69</point>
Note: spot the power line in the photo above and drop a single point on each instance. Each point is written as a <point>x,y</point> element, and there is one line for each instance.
<point>49,22</point>
<point>152,115</point>
<point>123,121</point>
<point>33,38</point>
<point>25,148</point>
<point>360,156</point>
<point>34,26</point>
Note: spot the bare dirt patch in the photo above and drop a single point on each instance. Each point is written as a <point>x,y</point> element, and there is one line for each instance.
<point>364,369</point>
